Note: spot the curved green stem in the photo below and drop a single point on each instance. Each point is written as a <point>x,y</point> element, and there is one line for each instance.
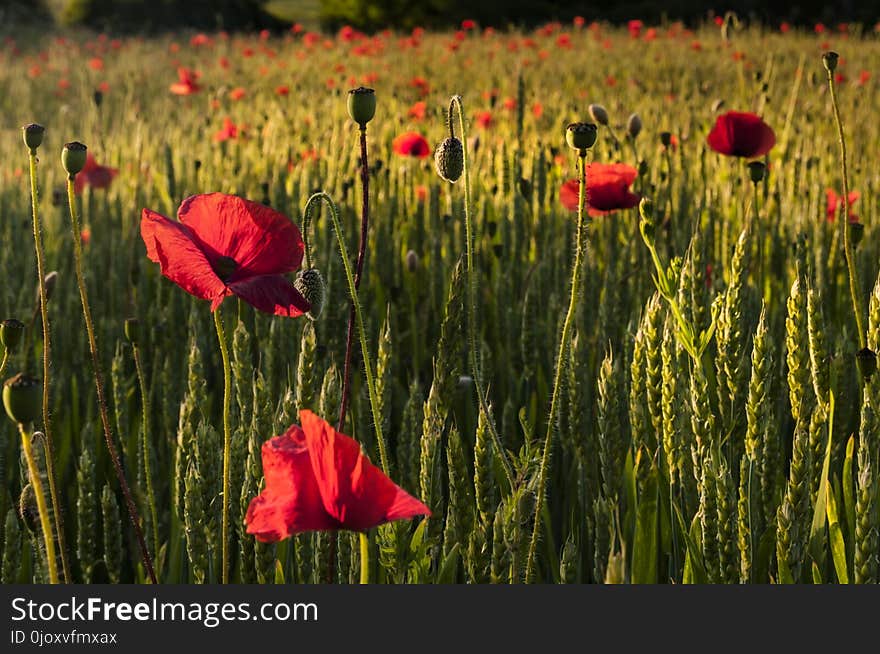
<point>44,313</point>
<point>42,509</point>
<point>359,319</point>
<point>146,432</point>
<point>227,442</point>
<point>99,383</point>
<point>562,354</point>
<point>365,558</point>
<point>472,297</point>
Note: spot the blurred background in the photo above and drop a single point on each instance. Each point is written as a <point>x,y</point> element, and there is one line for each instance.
<point>158,15</point>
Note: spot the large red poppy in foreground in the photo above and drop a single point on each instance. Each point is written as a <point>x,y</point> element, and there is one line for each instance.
<point>607,189</point>
<point>317,479</point>
<point>224,245</point>
<point>740,134</point>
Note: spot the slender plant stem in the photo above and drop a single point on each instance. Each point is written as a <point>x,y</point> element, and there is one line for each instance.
<point>227,441</point>
<point>456,103</point>
<point>854,285</point>
<point>44,313</point>
<point>365,557</point>
<point>45,523</point>
<point>362,251</point>
<point>562,355</point>
<point>99,384</point>
<point>147,432</point>
<point>359,319</point>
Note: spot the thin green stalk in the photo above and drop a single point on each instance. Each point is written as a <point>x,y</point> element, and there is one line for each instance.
<point>45,523</point>
<point>362,332</point>
<point>365,558</point>
<point>227,442</point>
<point>99,382</point>
<point>472,297</point>
<point>147,432</point>
<point>562,353</point>
<point>44,313</point>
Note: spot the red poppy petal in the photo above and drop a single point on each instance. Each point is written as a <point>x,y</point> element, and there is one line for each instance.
<point>259,239</point>
<point>171,246</point>
<point>357,493</point>
<point>568,194</point>
<point>291,501</point>
<point>271,293</point>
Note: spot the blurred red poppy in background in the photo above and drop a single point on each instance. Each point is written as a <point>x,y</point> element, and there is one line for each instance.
<point>186,84</point>
<point>229,131</point>
<point>225,245</point>
<point>741,134</point>
<point>607,189</point>
<point>93,174</point>
<point>412,144</point>
<point>317,479</point>
<point>834,201</point>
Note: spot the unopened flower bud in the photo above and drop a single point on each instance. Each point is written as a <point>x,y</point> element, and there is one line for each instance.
<point>829,59</point>
<point>73,158</point>
<point>449,159</point>
<point>412,261</point>
<point>581,136</point>
<point>22,398</point>
<point>598,113</point>
<point>310,285</point>
<point>50,281</point>
<point>646,224</point>
<point>362,105</point>
<point>866,360</point>
<point>132,330</point>
<point>634,126</point>
<point>856,232</point>
<point>33,135</point>
<point>757,170</point>
<point>716,105</point>
<point>666,139</point>
<point>11,331</point>
<point>28,510</point>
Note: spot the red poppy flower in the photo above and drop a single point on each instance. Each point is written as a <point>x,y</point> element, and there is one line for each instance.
<point>485,120</point>
<point>635,28</point>
<point>417,111</point>
<point>225,245</point>
<point>607,189</point>
<point>412,144</point>
<point>93,174</point>
<point>186,84</point>
<point>317,479</point>
<point>834,201</point>
<point>740,134</point>
<point>229,131</point>
<point>237,93</point>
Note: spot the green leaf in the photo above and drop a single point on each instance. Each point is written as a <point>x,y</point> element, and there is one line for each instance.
<point>695,570</point>
<point>449,569</point>
<point>646,545</point>
<point>279,572</point>
<point>849,500</point>
<point>817,528</point>
<point>835,536</point>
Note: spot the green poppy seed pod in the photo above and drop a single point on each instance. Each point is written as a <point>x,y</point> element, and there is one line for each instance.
<point>22,398</point>
<point>362,105</point>
<point>829,59</point>
<point>449,159</point>
<point>581,136</point>
<point>412,261</point>
<point>634,126</point>
<point>11,331</point>
<point>856,231</point>
<point>73,158</point>
<point>666,139</point>
<point>757,170</point>
<point>598,113</point>
<point>867,362</point>
<point>33,135</point>
<point>132,330</point>
<point>310,285</point>
<point>646,224</point>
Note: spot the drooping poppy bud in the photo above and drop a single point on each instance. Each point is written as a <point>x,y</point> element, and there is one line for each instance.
<point>757,170</point>
<point>856,231</point>
<point>665,139</point>
<point>412,261</point>
<point>310,285</point>
<point>73,158</point>
<point>634,126</point>
<point>11,331</point>
<point>49,281</point>
<point>598,113</point>
<point>33,135</point>
<point>362,105</point>
<point>866,360</point>
<point>829,60</point>
<point>22,398</point>
<point>28,511</point>
<point>581,136</point>
<point>449,159</point>
<point>132,330</point>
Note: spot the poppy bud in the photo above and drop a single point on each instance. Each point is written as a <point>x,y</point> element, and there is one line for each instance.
<point>634,126</point>
<point>829,59</point>
<point>581,136</point>
<point>598,113</point>
<point>362,105</point>
<point>33,135</point>
<point>22,398</point>
<point>643,168</point>
<point>449,159</point>
<point>49,281</point>
<point>412,261</point>
<point>716,106</point>
<point>666,139</point>
<point>73,158</point>
<point>310,285</point>
<point>132,330</point>
<point>646,225</point>
<point>757,169</point>
<point>98,97</point>
<point>11,331</point>
<point>28,510</point>
<point>856,231</point>
<point>866,361</point>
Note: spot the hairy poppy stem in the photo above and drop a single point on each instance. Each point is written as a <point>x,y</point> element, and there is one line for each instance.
<point>146,432</point>
<point>227,442</point>
<point>455,102</point>
<point>45,523</point>
<point>365,558</point>
<point>359,319</point>
<point>855,288</point>
<point>99,383</point>
<point>362,250</point>
<point>44,313</point>
<point>562,354</point>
